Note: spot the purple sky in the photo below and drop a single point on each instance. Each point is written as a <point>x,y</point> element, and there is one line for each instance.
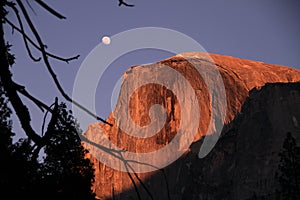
<point>265,30</point>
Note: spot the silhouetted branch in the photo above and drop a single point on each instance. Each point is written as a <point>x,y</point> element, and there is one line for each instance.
<point>50,70</point>
<point>141,182</point>
<point>118,154</point>
<point>49,9</point>
<point>12,6</point>
<point>22,90</point>
<point>28,39</point>
<point>40,104</point>
<point>20,109</point>
<point>44,119</point>
<point>132,180</point>
<point>154,167</point>
<point>134,184</point>
<point>53,121</point>
<point>31,8</point>
<point>122,2</point>
<point>51,126</point>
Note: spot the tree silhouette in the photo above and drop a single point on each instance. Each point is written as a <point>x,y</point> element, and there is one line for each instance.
<point>288,174</point>
<point>65,172</point>
<point>5,125</point>
<point>18,169</point>
<point>65,166</point>
<point>5,141</point>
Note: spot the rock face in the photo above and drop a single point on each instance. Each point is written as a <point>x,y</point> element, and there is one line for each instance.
<point>243,161</point>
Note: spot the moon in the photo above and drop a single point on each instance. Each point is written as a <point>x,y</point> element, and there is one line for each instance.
<point>106,40</point>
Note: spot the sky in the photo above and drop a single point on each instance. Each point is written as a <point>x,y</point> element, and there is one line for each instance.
<point>262,30</point>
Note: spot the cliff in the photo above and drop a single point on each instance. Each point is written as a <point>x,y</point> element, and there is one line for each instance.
<point>239,152</point>
<point>245,159</point>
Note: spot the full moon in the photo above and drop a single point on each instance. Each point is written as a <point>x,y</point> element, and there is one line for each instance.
<point>106,40</point>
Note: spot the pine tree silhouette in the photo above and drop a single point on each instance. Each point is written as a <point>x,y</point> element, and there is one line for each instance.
<point>66,168</point>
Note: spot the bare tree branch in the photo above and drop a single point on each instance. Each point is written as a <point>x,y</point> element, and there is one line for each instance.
<point>12,6</point>
<point>53,121</point>
<point>50,129</point>
<point>6,78</point>
<point>31,8</point>
<point>28,39</point>
<point>22,90</point>
<point>44,119</point>
<point>141,182</point>
<point>40,104</point>
<point>47,63</point>
<point>118,154</point>
<point>49,9</point>
<point>121,2</point>
<point>131,178</point>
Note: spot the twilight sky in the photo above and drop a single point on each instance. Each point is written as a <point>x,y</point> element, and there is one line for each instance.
<point>263,30</point>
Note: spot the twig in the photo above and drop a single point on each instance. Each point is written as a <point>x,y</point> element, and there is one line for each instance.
<point>161,170</point>
<point>31,8</point>
<point>141,182</point>
<point>132,180</point>
<point>118,154</point>
<point>49,9</point>
<point>50,129</point>
<point>53,120</point>
<point>122,2</point>
<point>44,119</point>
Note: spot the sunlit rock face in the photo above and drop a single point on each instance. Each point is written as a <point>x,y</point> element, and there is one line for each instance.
<point>268,112</point>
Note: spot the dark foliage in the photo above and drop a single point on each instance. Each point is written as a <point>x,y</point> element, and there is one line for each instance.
<point>5,140</point>
<point>65,166</point>
<point>288,174</point>
<point>64,172</point>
